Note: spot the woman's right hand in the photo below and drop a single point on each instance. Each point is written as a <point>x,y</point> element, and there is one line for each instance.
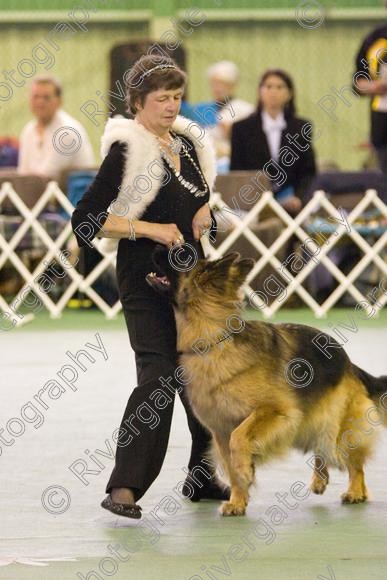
<point>166,234</point>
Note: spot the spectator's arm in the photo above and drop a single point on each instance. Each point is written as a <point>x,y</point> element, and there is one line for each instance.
<point>306,170</point>
<point>365,68</point>
<point>22,162</point>
<point>236,149</point>
<point>371,88</point>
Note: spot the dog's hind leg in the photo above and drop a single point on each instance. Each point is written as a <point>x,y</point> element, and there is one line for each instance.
<point>359,443</point>
<point>357,491</point>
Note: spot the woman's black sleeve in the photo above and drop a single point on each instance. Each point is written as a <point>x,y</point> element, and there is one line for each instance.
<point>91,211</point>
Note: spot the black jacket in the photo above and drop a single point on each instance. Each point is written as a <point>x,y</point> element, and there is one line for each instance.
<point>372,51</point>
<point>250,151</point>
<point>173,204</point>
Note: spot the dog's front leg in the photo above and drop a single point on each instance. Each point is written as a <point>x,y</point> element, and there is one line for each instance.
<point>236,506</point>
<point>249,442</point>
<point>221,448</point>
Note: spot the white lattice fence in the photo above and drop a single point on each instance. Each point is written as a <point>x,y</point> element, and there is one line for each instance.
<point>53,250</point>
<point>374,253</point>
<point>294,226</point>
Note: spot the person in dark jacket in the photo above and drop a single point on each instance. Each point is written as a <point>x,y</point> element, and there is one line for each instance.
<point>153,188</point>
<point>370,79</point>
<point>274,140</point>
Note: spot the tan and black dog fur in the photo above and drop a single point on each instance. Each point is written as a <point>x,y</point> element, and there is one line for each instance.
<point>239,390</point>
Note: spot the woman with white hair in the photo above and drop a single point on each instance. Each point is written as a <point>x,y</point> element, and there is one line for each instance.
<point>218,115</point>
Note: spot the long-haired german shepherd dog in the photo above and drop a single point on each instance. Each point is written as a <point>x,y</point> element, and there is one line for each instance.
<point>238,389</point>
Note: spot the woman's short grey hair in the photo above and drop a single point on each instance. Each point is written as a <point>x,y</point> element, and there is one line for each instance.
<point>224,70</point>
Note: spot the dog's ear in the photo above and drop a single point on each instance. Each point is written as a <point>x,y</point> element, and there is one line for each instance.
<point>240,269</point>
<point>230,269</point>
<point>217,271</point>
<point>223,264</point>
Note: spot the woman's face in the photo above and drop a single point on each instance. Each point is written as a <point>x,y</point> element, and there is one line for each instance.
<point>160,109</point>
<point>220,88</point>
<point>274,93</point>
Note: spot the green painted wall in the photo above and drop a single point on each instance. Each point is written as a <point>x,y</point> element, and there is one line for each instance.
<point>149,4</point>
<point>271,4</point>
<point>82,64</point>
<point>319,59</point>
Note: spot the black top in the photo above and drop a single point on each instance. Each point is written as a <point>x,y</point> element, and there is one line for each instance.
<point>172,204</point>
<point>250,151</point>
<point>373,51</point>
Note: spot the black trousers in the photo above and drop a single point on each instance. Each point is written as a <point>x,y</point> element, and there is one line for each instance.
<point>146,424</point>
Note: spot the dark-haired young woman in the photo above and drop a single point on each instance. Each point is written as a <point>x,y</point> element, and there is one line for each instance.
<point>270,135</point>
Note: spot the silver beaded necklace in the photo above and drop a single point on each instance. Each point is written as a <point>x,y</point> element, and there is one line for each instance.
<point>177,146</point>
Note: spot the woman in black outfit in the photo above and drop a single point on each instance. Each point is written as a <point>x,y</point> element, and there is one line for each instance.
<point>259,139</point>
<point>152,188</point>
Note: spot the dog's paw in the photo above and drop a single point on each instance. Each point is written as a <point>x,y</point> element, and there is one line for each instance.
<point>318,485</point>
<point>232,509</point>
<point>350,497</point>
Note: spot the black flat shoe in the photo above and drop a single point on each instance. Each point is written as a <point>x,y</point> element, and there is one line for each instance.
<point>211,491</point>
<point>122,509</point>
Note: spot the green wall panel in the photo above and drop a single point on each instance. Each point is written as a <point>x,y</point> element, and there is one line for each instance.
<point>71,4</point>
<point>271,4</point>
<point>179,4</point>
<point>81,63</point>
<point>319,60</point>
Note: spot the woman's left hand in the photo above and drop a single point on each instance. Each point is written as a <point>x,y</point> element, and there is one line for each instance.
<point>201,222</point>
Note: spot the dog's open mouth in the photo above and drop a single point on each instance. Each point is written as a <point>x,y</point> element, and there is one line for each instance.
<point>160,283</point>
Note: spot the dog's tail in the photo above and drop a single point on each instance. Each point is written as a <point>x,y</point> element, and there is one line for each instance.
<point>377,389</point>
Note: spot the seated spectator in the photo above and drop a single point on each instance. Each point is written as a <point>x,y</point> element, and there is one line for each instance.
<point>50,144</point>
<point>9,151</point>
<point>218,115</point>
<point>53,141</point>
<point>268,135</point>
